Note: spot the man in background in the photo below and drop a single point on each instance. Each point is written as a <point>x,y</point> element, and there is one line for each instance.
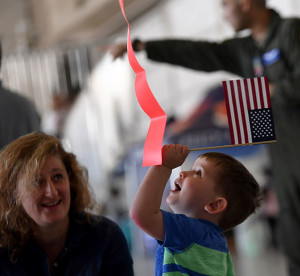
<point>272,49</point>
<point>18,115</point>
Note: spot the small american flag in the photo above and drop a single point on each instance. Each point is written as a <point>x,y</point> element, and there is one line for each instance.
<point>249,112</point>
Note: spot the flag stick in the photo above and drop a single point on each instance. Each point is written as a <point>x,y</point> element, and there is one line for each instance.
<point>236,145</point>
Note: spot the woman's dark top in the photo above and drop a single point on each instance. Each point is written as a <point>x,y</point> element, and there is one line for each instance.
<point>97,247</point>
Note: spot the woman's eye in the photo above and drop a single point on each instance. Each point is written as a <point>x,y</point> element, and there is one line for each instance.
<point>38,181</point>
<point>58,176</point>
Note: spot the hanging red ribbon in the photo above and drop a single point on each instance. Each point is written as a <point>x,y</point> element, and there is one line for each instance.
<point>153,144</point>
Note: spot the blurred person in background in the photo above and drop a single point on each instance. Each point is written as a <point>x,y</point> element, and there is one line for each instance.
<point>53,120</point>
<point>18,115</point>
<point>271,49</point>
<point>47,224</point>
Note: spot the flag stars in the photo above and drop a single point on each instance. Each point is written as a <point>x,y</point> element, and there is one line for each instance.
<point>261,124</point>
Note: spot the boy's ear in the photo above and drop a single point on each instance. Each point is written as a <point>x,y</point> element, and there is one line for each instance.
<point>217,206</point>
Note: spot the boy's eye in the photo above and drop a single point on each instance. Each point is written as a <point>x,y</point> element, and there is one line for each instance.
<point>198,172</point>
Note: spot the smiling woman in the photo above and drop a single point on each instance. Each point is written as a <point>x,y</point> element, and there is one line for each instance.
<point>46,221</point>
<point>48,202</point>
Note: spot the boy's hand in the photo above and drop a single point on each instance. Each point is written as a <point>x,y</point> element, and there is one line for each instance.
<point>173,156</point>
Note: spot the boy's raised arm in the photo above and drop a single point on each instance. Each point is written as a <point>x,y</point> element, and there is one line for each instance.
<point>145,209</point>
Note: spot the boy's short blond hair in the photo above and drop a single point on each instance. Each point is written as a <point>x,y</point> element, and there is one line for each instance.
<point>238,186</point>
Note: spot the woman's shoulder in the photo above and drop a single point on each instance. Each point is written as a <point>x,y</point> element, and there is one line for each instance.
<point>93,219</point>
<point>96,232</point>
<point>98,223</point>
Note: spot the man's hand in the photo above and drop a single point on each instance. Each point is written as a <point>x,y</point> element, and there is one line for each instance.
<point>117,50</point>
<point>173,156</point>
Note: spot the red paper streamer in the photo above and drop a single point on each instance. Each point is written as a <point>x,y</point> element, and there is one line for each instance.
<point>153,143</point>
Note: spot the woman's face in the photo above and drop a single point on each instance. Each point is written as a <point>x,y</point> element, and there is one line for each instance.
<point>49,204</point>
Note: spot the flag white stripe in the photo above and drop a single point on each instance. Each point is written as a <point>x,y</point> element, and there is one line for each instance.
<point>257,93</point>
<point>239,113</point>
<point>250,94</point>
<point>246,112</point>
<point>264,92</point>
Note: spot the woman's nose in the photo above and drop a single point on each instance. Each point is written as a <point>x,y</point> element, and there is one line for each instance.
<point>50,190</point>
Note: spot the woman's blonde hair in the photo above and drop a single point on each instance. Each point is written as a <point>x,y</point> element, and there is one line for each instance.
<point>20,163</point>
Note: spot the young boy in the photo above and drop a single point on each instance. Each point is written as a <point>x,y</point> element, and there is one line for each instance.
<point>216,195</point>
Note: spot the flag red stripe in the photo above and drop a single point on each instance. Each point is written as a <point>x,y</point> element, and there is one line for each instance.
<point>228,112</point>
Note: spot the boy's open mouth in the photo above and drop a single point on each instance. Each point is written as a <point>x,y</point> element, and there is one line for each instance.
<point>177,187</point>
